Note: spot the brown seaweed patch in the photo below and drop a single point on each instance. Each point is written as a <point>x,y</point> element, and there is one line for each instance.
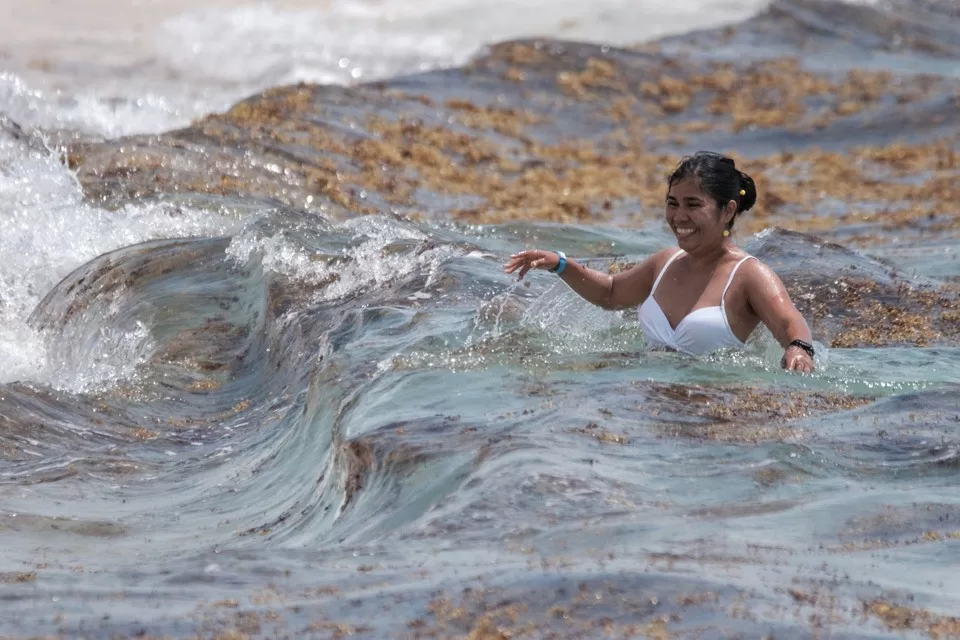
<point>884,324</point>
<point>204,348</point>
<point>309,159</point>
<point>620,266</point>
<point>204,384</point>
<point>10,452</point>
<point>900,618</point>
<point>521,53</point>
<point>273,106</point>
<point>747,415</point>
<point>892,187</point>
<point>774,92</point>
<point>513,74</point>
<point>696,599</point>
<point>573,181</point>
<point>860,312</point>
<point>777,92</point>
<point>770,475</point>
<point>875,544</point>
<point>598,73</point>
<point>581,612</point>
<point>507,121</point>
<point>17,577</point>
<point>411,97</point>
<point>568,181</point>
<point>901,526</point>
<point>593,430</point>
<point>359,461</point>
<point>335,630</point>
<point>669,94</point>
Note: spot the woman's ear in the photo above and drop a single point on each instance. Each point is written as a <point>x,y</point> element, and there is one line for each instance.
<point>729,213</point>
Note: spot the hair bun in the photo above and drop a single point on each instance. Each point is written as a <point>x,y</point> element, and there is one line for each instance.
<point>749,191</point>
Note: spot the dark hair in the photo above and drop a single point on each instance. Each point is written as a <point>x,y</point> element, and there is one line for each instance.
<point>719,178</point>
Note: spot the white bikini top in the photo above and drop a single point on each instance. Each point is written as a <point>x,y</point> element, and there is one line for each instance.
<point>702,330</point>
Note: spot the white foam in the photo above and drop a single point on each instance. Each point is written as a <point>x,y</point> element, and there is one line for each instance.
<point>89,113</point>
<point>48,230</point>
<point>366,263</point>
<point>257,46</point>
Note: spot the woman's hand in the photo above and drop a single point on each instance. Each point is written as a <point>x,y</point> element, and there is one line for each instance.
<point>796,359</point>
<point>532,259</point>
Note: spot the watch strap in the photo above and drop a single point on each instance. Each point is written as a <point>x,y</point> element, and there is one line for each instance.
<point>806,346</point>
<point>561,263</point>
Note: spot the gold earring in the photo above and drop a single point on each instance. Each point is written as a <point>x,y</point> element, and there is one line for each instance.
<point>726,232</point>
<point>742,192</point>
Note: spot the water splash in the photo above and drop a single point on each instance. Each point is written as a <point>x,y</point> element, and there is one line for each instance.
<point>51,230</point>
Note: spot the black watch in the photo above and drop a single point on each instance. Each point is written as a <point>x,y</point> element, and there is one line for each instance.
<point>806,346</point>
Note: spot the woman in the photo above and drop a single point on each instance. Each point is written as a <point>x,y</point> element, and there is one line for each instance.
<point>706,293</point>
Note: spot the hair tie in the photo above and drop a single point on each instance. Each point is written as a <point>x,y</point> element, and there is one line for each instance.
<point>742,192</point>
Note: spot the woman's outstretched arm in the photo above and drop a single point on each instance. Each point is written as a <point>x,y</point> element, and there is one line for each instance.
<point>620,291</point>
<point>770,301</point>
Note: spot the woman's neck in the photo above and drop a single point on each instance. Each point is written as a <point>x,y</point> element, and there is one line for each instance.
<point>709,259</point>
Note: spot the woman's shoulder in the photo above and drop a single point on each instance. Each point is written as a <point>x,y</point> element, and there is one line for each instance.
<point>662,256</point>
<point>753,269</point>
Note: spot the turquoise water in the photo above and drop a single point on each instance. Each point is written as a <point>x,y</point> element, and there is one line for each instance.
<point>464,429</point>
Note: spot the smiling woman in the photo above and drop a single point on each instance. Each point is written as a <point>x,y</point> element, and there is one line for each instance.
<point>713,294</point>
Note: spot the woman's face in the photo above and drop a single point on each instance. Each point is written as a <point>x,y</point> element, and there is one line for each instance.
<point>694,217</point>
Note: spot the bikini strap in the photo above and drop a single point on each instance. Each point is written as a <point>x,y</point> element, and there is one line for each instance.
<point>730,279</point>
<point>663,271</point>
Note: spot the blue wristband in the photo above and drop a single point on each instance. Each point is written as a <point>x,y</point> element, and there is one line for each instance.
<point>560,265</point>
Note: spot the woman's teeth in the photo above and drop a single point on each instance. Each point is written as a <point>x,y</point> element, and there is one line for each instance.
<point>683,232</point>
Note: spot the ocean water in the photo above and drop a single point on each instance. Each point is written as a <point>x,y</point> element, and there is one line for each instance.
<point>237,401</point>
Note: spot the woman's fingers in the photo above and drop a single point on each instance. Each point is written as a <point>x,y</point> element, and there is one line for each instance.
<point>512,266</point>
<point>516,261</point>
<point>525,260</point>
<point>532,259</point>
<point>801,363</point>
